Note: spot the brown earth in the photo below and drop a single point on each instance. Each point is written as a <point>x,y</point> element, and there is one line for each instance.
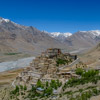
<point>7,77</point>
<point>92,57</point>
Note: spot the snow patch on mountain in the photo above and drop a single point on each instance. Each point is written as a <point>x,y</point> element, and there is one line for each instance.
<point>67,34</point>
<point>95,32</point>
<point>5,20</point>
<point>92,32</point>
<point>57,34</point>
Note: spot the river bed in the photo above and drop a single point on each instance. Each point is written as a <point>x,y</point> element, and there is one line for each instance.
<point>20,63</point>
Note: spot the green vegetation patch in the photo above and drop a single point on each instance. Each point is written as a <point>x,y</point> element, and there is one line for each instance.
<point>62,61</point>
<point>46,90</point>
<point>12,53</point>
<point>40,90</point>
<point>86,95</point>
<point>85,77</point>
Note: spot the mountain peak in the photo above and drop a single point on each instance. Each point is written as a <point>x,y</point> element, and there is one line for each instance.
<point>58,34</point>
<point>4,20</point>
<point>92,32</point>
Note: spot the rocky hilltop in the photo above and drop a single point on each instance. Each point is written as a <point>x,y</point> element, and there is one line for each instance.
<point>50,65</point>
<point>54,75</point>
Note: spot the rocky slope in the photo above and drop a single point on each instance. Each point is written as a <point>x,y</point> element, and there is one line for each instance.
<point>84,39</point>
<point>92,57</point>
<point>18,38</point>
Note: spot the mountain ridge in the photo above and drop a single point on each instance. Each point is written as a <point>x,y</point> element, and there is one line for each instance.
<point>25,39</point>
<point>28,39</point>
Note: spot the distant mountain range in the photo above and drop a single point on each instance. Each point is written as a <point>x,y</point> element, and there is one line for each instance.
<point>19,38</point>
<point>59,36</point>
<point>84,39</point>
<point>80,39</point>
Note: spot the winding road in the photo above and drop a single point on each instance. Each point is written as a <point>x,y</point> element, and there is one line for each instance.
<point>72,64</point>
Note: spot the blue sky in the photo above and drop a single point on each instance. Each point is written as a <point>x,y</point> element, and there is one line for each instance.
<point>53,15</point>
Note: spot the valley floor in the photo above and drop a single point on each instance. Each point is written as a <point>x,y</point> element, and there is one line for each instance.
<point>20,63</point>
<point>12,56</point>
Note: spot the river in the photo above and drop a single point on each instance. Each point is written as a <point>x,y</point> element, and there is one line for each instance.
<point>20,63</point>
